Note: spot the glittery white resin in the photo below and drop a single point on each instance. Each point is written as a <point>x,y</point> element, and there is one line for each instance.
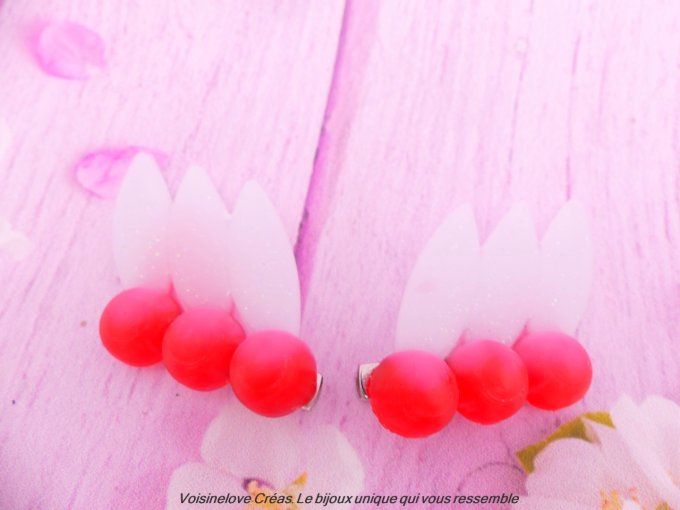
<point>509,274</point>
<point>265,285</point>
<point>566,271</point>
<point>199,237</point>
<point>435,307</point>
<point>140,226</point>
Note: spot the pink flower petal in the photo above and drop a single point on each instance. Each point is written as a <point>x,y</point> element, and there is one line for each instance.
<point>69,50</point>
<point>102,171</point>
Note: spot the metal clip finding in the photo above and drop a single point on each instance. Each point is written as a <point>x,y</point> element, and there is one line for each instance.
<point>319,384</point>
<point>364,372</point>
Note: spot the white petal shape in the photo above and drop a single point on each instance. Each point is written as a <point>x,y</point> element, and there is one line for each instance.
<point>199,236</point>
<point>651,432</point>
<point>566,271</point>
<point>623,472</point>
<point>664,414</point>
<point>5,139</point>
<point>332,463</point>
<point>140,226</point>
<point>571,470</point>
<point>438,296</point>
<point>280,445</point>
<point>286,449</point>
<point>265,284</point>
<point>196,478</point>
<point>508,279</point>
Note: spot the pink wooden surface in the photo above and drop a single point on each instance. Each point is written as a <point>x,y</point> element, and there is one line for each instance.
<point>238,88</point>
<point>371,121</point>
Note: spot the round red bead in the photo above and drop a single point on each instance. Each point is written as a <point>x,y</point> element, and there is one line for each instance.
<point>413,393</point>
<point>492,380</point>
<point>133,324</point>
<point>560,371</point>
<point>198,347</point>
<point>273,373</point>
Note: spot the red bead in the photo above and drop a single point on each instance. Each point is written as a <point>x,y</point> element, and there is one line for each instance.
<point>413,393</point>
<point>133,324</point>
<point>198,347</point>
<point>559,369</point>
<point>492,379</point>
<point>273,373</point>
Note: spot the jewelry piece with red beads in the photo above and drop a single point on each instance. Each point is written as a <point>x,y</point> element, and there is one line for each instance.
<point>214,296</point>
<point>484,329</point>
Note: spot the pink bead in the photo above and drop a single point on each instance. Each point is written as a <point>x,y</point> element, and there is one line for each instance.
<point>133,324</point>
<point>198,347</point>
<point>492,380</point>
<point>273,373</point>
<point>560,371</point>
<point>413,393</point>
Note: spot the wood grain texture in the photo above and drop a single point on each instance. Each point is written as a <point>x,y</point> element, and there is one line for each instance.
<point>237,87</point>
<point>377,119</point>
<point>490,103</point>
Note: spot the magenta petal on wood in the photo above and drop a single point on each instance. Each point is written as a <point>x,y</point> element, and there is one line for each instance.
<point>102,171</point>
<point>69,50</point>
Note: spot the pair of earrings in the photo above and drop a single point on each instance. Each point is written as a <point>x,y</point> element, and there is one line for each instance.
<point>216,298</point>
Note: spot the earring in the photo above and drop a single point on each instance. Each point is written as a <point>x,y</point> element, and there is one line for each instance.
<point>214,296</point>
<point>482,330</point>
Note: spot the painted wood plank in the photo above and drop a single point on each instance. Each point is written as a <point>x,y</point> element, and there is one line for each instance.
<point>436,104</point>
<point>239,88</point>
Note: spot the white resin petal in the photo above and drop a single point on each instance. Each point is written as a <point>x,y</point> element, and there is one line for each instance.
<point>140,226</point>
<point>566,271</point>
<point>199,236</point>
<point>508,279</point>
<point>265,284</point>
<point>436,303</point>
<point>5,139</point>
